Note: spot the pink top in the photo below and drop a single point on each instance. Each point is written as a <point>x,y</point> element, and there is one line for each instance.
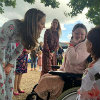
<point>75,58</point>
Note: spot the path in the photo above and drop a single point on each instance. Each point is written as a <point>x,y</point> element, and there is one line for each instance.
<point>29,79</point>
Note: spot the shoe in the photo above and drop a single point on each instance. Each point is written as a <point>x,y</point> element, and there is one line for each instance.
<point>20,91</point>
<point>15,93</point>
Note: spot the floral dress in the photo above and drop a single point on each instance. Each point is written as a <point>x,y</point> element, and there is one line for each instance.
<point>22,63</point>
<point>90,87</point>
<point>51,44</point>
<point>8,54</point>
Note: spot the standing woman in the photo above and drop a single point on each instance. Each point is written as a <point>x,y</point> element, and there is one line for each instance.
<point>24,32</point>
<point>51,43</point>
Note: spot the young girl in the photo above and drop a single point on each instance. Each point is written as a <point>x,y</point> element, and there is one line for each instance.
<point>90,87</point>
<point>21,68</point>
<point>40,60</point>
<point>74,62</point>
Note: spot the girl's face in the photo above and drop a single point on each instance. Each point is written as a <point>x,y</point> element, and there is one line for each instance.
<point>89,46</point>
<point>79,34</point>
<point>54,24</point>
<point>41,24</point>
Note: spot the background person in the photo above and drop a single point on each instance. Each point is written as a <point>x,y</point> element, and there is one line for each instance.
<point>51,43</point>
<point>40,60</point>
<point>60,55</point>
<point>34,58</point>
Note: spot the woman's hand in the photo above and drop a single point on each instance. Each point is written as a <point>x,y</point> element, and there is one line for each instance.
<point>8,68</point>
<point>3,65</point>
<point>51,55</point>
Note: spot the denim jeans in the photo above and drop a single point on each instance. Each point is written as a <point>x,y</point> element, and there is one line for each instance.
<point>34,62</point>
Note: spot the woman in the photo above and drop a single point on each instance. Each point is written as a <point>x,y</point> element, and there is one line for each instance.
<point>74,62</point>
<point>60,52</point>
<point>90,87</point>
<point>51,43</point>
<point>24,32</point>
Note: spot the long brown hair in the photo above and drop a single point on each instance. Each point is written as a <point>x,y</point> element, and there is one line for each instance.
<point>94,37</point>
<point>29,27</point>
<point>58,28</point>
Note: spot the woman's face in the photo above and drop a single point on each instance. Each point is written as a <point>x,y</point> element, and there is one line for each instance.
<point>54,24</point>
<point>41,24</point>
<point>79,34</point>
<point>89,46</point>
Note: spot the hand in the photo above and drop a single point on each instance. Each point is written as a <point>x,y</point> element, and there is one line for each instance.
<point>3,65</point>
<point>74,41</point>
<point>8,68</point>
<point>51,54</point>
<point>28,51</point>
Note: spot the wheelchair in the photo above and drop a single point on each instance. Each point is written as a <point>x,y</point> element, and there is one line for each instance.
<point>69,94</point>
<point>70,87</point>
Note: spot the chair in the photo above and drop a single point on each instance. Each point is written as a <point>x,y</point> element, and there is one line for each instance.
<point>69,94</point>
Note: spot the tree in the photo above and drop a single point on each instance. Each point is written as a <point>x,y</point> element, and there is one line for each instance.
<point>52,3</point>
<point>93,6</point>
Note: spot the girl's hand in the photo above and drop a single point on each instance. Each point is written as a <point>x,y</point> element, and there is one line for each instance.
<point>74,41</point>
<point>8,68</point>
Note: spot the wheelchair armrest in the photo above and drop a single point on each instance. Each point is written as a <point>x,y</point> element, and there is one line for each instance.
<point>55,67</point>
<point>56,72</point>
<point>65,76</point>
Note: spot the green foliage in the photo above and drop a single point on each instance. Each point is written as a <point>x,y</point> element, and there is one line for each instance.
<point>52,3</point>
<point>30,1</point>
<point>6,3</point>
<point>93,9</point>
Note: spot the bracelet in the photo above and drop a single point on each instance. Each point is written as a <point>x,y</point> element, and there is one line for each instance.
<point>71,45</point>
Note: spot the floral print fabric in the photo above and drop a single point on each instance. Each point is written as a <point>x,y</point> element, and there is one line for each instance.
<point>21,63</point>
<point>8,54</point>
<point>90,88</point>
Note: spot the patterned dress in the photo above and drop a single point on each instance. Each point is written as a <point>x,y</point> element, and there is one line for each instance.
<point>8,54</point>
<point>21,63</point>
<point>90,87</point>
<point>51,43</point>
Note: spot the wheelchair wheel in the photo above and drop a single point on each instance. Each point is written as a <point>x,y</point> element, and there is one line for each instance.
<point>69,94</point>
